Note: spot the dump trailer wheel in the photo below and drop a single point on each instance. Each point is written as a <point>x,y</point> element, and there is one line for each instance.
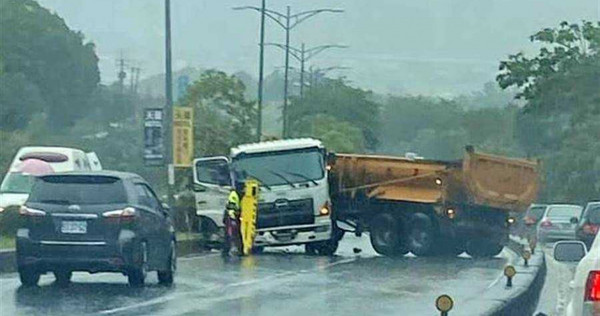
<point>386,235</point>
<point>421,235</point>
<point>483,248</point>
<point>450,247</point>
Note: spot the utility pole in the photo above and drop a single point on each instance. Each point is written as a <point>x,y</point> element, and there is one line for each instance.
<point>303,55</point>
<point>169,107</point>
<point>261,66</point>
<point>287,21</point>
<point>121,75</point>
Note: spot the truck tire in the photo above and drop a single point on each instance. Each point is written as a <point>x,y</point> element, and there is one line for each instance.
<point>483,249</point>
<point>387,235</point>
<point>450,247</point>
<point>421,235</point>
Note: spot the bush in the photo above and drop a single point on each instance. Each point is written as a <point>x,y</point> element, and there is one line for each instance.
<point>10,221</point>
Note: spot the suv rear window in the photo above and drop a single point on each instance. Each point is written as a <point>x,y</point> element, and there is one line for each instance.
<point>78,190</point>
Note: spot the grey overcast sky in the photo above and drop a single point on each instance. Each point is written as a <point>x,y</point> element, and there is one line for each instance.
<point>443,47</point>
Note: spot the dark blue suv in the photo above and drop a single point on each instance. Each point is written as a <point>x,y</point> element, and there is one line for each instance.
<point>101,221</point>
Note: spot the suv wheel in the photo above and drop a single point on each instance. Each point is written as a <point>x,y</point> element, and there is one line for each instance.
<point>63,277</point>
<point>166,277</point>
<point>137,275</point>
<point>29,277</point>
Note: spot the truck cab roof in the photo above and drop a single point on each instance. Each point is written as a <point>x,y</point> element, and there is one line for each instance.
<point>277,145</point>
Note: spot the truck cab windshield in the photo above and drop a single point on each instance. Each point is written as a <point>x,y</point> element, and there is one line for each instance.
<point>281,168</point>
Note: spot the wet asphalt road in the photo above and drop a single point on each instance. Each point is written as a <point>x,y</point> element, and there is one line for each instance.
<point>278,282</point>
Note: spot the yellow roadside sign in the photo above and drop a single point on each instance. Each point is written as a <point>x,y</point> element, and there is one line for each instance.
<point>183,136</point>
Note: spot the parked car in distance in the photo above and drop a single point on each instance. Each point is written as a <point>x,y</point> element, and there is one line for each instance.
<point>16,184</point>
<point>589,224</point>
<point>95,221</point>
<point>585,294</point>
<point>528,225</point>
<point>558,222</point>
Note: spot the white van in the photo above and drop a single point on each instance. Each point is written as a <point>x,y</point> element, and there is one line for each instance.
<point>15,186</point>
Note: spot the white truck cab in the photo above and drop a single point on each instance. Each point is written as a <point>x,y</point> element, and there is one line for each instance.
<point>294,204</point>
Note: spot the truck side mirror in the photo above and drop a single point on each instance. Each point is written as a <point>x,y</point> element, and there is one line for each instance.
<point>331,158</point>
<point>569,251</point>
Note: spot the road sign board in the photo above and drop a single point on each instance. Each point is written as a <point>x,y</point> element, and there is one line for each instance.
<point>183,136</point>
<point>153,137</point>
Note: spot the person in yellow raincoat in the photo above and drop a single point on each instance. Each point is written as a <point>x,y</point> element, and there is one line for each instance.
<point>231,220</point>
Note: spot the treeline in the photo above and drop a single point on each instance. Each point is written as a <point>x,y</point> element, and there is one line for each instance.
<point>50,93</point>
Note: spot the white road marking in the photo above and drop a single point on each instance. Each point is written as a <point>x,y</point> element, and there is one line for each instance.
<point>164,299</point>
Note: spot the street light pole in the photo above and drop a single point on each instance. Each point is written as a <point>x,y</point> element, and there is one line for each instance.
<point>303,55</point>
<point>302,60</point>
<point>261,65</point>
<point>287,66</point>
<point>169,106</point>
<point>291,21</point>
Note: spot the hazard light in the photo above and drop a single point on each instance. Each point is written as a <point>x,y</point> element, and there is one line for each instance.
<point>592,287</point>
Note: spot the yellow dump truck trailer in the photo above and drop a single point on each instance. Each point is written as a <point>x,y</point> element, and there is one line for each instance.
<point>432,207</point>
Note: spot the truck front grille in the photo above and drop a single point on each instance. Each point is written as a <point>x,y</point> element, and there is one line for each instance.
<point>285,213</point>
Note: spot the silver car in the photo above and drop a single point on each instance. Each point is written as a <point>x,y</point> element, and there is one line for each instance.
<point>559,222</point>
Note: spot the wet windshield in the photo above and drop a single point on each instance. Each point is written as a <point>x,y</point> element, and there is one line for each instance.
<point>280,168</point>
<point>16,182</point>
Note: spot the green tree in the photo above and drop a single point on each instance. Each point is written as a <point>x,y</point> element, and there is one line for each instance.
<point>41,53</point>
<point>337,136</point>
<point>223,117</point>
<point>334,98</point>
<point>559,120</point>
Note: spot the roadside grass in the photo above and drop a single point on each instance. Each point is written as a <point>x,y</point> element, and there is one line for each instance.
<point>7,242</point>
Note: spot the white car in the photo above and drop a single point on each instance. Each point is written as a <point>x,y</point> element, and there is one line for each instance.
<point>585,286</point>
<point>15,186</point>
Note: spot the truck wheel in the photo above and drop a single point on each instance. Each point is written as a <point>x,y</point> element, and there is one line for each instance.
<point>450,247</point>
<point>29,277</point>
<point>310,249</point>
<point>328,247</point>
<point>386,235</point>
<point>483,249</point>
<point>421,235</point>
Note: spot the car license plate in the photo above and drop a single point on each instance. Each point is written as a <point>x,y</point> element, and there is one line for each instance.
<point>74,227</point>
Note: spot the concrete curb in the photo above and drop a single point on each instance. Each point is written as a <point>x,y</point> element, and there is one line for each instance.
<point>8,261</point>
<point>528,284</point>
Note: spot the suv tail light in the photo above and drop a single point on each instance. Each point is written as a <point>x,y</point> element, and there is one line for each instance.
<point>590,229</point>
<point>546,223</point>
<point>26,211</point>
<point>126,214</point>
<point>592,286</point>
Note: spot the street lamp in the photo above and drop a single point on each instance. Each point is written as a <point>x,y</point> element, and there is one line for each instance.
<point>303,55</point>
<point>287,21</point>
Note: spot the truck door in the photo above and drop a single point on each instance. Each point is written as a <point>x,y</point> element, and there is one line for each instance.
<point>212,184</point>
